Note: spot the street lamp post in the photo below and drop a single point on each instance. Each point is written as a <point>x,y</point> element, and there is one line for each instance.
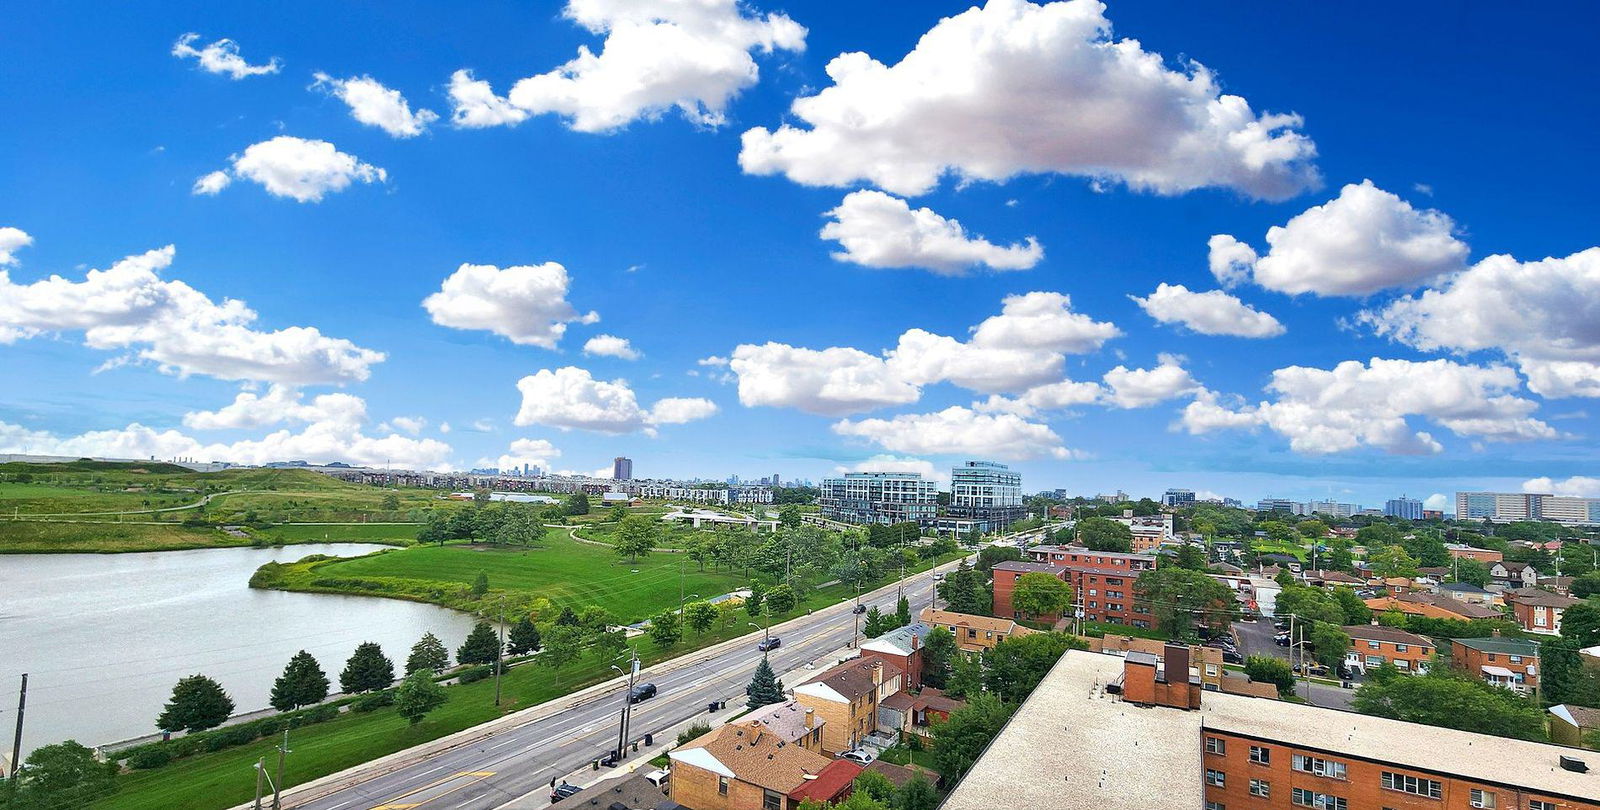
<point>767,634</point>
<point>627,705</point>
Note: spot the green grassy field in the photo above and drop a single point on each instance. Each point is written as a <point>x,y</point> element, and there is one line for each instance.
<point>671,536</point>
<point>355,533</point>
<point>26,536</point>
<point>564,571</point>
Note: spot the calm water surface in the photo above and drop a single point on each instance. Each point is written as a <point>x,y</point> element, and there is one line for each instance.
<point>105,636</point>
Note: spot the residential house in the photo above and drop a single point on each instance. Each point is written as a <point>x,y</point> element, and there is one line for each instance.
<point>1433,606</point>
<point>834,784</point>
<point>1331,579</point>
<point>793,723</point>
<point>901,647</point>
<point>631,790</point>
<point>1561,585</point>
<point>742,766</point>
<point>846,699</point>
<point>1509,662</point>
<point>1572,725</point>
<point>1538,611</point>
<point>973,633</point>
<point>906,713</point>
<point>1466,592</point>
<point>1204,662</point>
<point>1238,683</point>
<point>1373,645</point>
<point>1514,574</point>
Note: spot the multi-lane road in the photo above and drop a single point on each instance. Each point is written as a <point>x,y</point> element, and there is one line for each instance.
<point>487,771</point>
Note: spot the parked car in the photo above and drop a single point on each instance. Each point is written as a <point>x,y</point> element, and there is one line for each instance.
<point>1282,639</point>
<point>1232,657</point>
<point>642,692</point>
<point>860,756</point>
<point>859,609</point>
<point>1314,669</point>
<point>658,778</point>
<point>772,643</point>
<point>562,791</point>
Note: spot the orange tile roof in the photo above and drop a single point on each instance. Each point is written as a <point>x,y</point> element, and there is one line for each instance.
<point>760,757</point>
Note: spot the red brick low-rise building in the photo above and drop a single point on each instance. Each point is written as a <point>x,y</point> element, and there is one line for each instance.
<point>1102,582</point>
<point>1373,645</point>
<point>1539,611</point>
<point>1509,662</point>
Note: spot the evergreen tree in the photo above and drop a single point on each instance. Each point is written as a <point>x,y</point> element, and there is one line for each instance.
<point>873,627</point>
<point>568,617</point>
<point>301,684</point>
<point>428,654</point>
<point>765,689</point>
<point>197,703</point>
<point>524,637</point>
<point>367,670</point>
<point>481,647</point>
<point>902,613</point>
<point>418,694</point>
<point>480,586</point>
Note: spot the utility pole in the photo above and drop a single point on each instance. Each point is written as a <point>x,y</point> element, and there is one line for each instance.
<point>261,772</point>
<point>277,784</point>
<point>627,708</point>
<point>499,652</point>
<point>16,745</point>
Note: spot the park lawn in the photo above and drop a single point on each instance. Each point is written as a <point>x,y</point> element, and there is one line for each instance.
<point>1100,629</point>
<point>402,534</point>
<point>562,570</point>
<point>41,498</point>
<point>671,536</point>
<point>1261,546</point>
<point>33,536</point>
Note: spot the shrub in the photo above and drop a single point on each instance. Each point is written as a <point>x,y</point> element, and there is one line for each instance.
<point>474,674</point>
<point>149,757</point>
<point>374,701</point>
<point>318,714</point>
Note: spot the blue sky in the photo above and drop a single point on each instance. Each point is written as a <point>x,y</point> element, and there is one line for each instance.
<point>1473,126</point>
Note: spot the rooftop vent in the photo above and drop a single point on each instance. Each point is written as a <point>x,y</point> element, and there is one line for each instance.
<point>1573,764</point>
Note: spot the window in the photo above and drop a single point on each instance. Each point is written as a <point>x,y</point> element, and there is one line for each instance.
<point>1540,804</point>
<point>1431,788</point>
<point>1216,778</point>
<point>1260,755</point>
<point>1216,806</point>
<point>1373,645</point>
<point>1400,648</point>
<point>772,801</point>
<point>1260,787</point>
<point>1320,767</point>
<point>1516,659</point>
<point>1211,670</point>
<point>722,785</point>
<point>1321,801</point>
<point>972,632</point>
<point>1481,798</point>
<point>1216,745</point>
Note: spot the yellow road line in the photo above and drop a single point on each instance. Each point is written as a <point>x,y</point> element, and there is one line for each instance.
<point>476,777</point>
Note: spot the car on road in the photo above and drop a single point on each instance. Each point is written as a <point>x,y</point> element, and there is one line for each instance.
<point>562,791</point>
<point>1281,639</point>
<point>859,609</point>
<point>642,692</point>
<point>860,756</point>
<point>938,577</point>
<point>772,643</point>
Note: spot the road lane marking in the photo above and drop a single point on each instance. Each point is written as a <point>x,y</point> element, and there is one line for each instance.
<point>465,778</point>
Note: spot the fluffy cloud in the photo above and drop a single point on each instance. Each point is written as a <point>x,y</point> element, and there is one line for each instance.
<point>1438,502</point>
<point>222,57</point>
<point>1545,315</point>
<point>1022,347</point>
<point>1363,241</point>
<point>1055,396</point>
<point>410,424</point>
<point>211,184</point>
<point>1143,387</point>
<point>1231,260</point>
<point>333,431</point>
<point>879,230</point>
<point>693,55</point>
<point>12,240</point>
<point>180,329</point>
<point>1014,88</point>
<point>1209,313</point>
<point>1354,405</point>
<point>375,105</point>
<point>292,167</point>
<point>280,404</point>
<point>830,382</point>
<point>524,303</point>
<point>533,452</point>
<point>570,397</point>
<point>611,346</point>
<point>1578,486</point>
<point>898,464</point>
<point>959,431</point>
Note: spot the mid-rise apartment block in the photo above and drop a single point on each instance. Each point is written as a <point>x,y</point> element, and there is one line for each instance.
<point>1102,582</point>
<point>1500,507</point>
<point>879,497</point>
<point>984,495</point>
<point>1127,734</point>
<point>1178,497</point>
<point>622,468</point>
<point>1403,507</point>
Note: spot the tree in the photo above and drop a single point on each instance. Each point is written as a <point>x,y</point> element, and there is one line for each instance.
<point>753,604</point>
<point>418,694</point>
<point>62,775</point>
<point>966,677</point>
<point>1104,534</point>
<point>1376,535</point>
<point>938,653</point>
<point>960,740</point>
<point>523,638</point>
<point>1180,598</point>
<point>480,586</point>
<point>1040,594</point>
<point>1354,607</point>
<point>1190,556</point>
<point>481,496</point>
<point>989,555</point>
<point>1472,572</point>
<point>917,794</point>
<point>367,670</point>
<point>1329,643</point>
<point>576,504</point>
<point>1267,669</point>
<point>727,612</point>
<point>563,643</point>
<point>197,703</point>
<point>966,590</point>
<point>481,647</point>
<point>1312,529</point>
<point>1442,699</point>
<point>1017,664</point>
<point>611,644</point>
<point>301,684</point>
<point>1309,604</point>
<point>428,654</point>
<point>1581,623</point>
<point>789,516</point>
<point>617,513</point>
<point>1340,557</point>
<point>1587,585</point>
<point>665,630</point>
<point>700,615</point>
<point>1392,561</point>
<point>391,502</point>
<point>902,612</point>
<point>636,535</point>
<point>875,785</point>
<point>874,624</point>
<point>436,529</point>
<point>781,599</point>
<point>523,528</point>
<point>765,689</point>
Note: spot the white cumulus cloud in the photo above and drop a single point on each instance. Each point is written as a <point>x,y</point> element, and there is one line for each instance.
<point>175,326</point>
<point>211,183</point>
<point>879,230</point>
<point>1143,387</point>
<point>1362,241</point>
<point>1438,502</point>
<point>526,304</point>
<point>533,452</point>
<point>1578,486</point>
<point>286,166</point>
<point>1014,88</point>
<point>571,397</point>
<point>281,403</point>
<point>1231,260</point>
<point>884,462</point>
<point>12,240</point>
<point>1210,313</point>
<point>375,105</point>
<point>611,346</point>
<point>222,57</point>
<point>832,382</point>
<point>692,55</point>
<point>959,431</point>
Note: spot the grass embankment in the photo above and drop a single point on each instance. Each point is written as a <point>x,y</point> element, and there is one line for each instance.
<point>225,778</point>
<point>563,570</point>
<point>39,537</point>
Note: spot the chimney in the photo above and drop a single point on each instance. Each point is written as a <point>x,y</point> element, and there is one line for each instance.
<point>1176,657</point>
<point>811,718</point>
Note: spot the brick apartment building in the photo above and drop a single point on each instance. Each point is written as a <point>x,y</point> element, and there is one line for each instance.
<point>1373,645</point>
<point>973,633</point>
<point>1509,662</point>
<point>1102,582</point>
<point>1118,734</point>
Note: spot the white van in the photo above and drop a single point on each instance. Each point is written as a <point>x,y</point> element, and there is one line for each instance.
<point>658,778</point>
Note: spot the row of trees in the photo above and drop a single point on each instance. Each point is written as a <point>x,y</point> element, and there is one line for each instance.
<point>517,524</point>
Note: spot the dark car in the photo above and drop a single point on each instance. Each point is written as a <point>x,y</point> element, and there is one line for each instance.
<point>642,692</point>
<point>772,643</point>
<point>859,609</point>
<point>562,791</point>
<point>1232,657</point>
